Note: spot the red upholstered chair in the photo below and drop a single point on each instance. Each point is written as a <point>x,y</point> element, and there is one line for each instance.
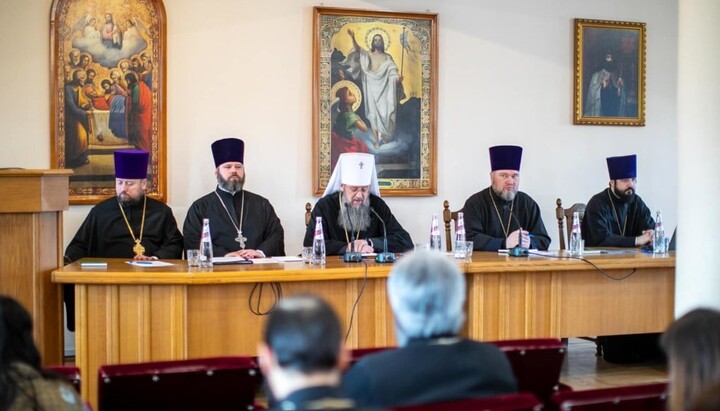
<point>536,364</point>
<point>70,373</point>
<point>514,402</point>
<point>225,383</point>
<point>357,353</point>
<point>646,397</point>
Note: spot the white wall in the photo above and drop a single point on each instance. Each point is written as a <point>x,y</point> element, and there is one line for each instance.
<point>243,68</point>
<point>698,279</point>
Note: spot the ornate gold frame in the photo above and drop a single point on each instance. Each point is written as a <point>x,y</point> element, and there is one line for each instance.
<point>76,27</point>
<point>624,42</point>
<point>415,54</point>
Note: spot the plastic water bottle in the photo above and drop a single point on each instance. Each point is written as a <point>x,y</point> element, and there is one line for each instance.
<point>206,247</point>
<point>459,250</point>
<point>576,244</point>
<point>435,238</point>
<point>318,255</point>
<point>659,236</point>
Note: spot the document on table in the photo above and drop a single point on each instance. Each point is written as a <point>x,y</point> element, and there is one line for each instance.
<point>149,263</point>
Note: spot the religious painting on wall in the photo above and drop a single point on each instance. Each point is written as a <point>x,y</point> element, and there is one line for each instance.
<point>609,73</point>
<point>375,91</point>
<point>108,91</point>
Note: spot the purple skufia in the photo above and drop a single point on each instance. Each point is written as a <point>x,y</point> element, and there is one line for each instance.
<point>228,149</point>
<point>131,164</point>
<point>622,167</point>
<point>505,157</point>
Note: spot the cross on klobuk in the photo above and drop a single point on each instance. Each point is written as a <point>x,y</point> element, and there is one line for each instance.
<point>361,165</point>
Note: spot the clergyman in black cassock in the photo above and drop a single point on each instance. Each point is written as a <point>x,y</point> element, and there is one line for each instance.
<point>494,216</point>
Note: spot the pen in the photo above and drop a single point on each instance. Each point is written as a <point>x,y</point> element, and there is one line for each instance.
<point>142,262</point>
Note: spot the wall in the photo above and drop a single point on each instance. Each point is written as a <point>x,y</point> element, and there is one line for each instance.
<point>243,68</point>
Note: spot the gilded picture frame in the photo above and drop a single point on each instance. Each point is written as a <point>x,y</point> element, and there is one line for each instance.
<point>375,91</point>
<point>108,71</point>
<point>609,73</point>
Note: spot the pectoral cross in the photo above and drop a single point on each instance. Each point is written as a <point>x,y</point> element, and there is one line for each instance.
<point>240,239</point>
<point>138,249</point>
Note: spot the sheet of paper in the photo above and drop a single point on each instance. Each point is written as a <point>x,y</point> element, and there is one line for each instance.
<point>149,263</point>
<point>287,259</point>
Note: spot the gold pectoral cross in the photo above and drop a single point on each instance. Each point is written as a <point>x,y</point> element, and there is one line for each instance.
<point>240,239</point>
<point>138,249</point>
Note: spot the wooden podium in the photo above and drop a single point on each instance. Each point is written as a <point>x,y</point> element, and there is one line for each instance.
<point>31,231</point>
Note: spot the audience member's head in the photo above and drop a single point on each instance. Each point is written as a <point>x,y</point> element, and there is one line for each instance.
<point>692,344</point>
<point>16,346</point>
<point>427,295</point>
<point>302,346</point>
<point>708,400</point>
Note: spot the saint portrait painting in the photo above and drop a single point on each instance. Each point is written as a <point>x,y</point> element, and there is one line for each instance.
<point>374,92</point>
<point>107,72</point>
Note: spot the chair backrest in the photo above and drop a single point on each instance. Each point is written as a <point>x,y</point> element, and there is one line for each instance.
<point>536,364</point>
<point>513,402</point>
<point>308,213</point>
<point>357,353</point>
<point>645,397</point>
<point>564,217</point>
<point>68,372</point>
<point>449,216</point>
<point>223,383</point>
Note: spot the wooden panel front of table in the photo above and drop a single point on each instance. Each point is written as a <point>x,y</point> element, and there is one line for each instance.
<point>128,314</point>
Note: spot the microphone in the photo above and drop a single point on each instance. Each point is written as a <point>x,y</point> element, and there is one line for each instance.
<point>385,256</point>
<point>518,250</point>
<point>352,256</point>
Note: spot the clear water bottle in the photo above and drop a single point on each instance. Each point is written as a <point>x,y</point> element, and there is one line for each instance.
<point>206,247</point>
<point>318,254</point>
<point>435,238</point>
<point>459,249</point>
<point>576,243</point>
<point>659,244</point>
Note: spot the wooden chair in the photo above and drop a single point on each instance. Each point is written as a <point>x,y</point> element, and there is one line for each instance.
<point>645,397</point>
<point>448,217</point>
<point>69,373</point>
<point>536,364</point>
<point>564,215</point>
<point>514,402</point>
<point>308,213</point>
<point>222,383</point>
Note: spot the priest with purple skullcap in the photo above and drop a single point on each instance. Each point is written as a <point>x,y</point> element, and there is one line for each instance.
<point>501,216</point>
<point>617,216</point>
<point>353,213</point>
<point>242,224</point>
<point>128,225</point>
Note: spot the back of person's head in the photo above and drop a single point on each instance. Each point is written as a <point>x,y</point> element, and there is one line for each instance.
<point>427,295</point>
<point>708,400</point>
<point>692,344</point>
<point>16,345</point>
<point>304,335</point>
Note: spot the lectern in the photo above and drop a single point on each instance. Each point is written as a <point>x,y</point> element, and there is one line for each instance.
<point>31,248</point>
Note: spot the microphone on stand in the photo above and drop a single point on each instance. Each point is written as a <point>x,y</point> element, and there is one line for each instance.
<point>385,256</point>
<point>518,250</point>
<point>352,256</point>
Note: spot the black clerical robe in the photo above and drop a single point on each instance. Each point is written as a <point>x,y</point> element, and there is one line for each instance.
<point>601,228</point>
<point>485,229</point>
<point>104,233</point>
<point>260,225</point>
<point>336,241</point>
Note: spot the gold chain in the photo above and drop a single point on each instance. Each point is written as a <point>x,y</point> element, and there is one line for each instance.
<point>138,249</point>
<point>616,215</point>
<point>238,227</point>
<point>506,231</point>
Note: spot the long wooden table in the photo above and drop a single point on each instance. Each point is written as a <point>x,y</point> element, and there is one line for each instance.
<point>128,314</point>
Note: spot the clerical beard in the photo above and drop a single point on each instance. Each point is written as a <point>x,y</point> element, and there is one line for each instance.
<point>128,201</point>
<point>355,218</point>
<point>233,184</point>
<point>624,197</point>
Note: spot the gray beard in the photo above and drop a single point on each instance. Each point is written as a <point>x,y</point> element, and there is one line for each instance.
<point>233,187</point>
<point>355,219</point>
<point>129,202</point>
<point>505,196</point>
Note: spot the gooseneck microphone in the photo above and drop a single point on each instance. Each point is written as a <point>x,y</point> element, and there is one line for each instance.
<point>385,256</point>
<point>518,250</point>
<point>352,256</point>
